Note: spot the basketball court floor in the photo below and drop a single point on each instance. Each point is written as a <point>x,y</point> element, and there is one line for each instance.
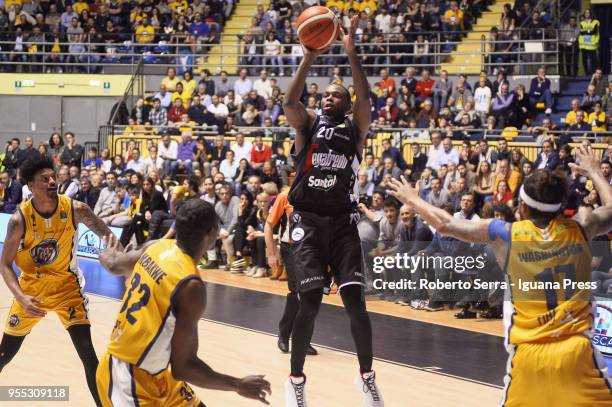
<point>441,362</point>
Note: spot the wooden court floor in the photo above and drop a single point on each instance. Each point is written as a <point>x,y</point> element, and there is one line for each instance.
<point>48,358</point>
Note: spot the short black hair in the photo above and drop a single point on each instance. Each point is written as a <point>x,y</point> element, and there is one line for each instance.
<point>391,201</point>
<point>194,183</point>
<point>195,219</point>
<point>33,166</point>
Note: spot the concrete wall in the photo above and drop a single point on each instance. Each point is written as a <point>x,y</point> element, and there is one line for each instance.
<point>40,116</point>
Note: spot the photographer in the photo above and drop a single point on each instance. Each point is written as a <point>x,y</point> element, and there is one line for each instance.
<point>368,227</point>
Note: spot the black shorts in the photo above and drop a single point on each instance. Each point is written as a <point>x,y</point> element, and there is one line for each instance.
<point>326,244</point>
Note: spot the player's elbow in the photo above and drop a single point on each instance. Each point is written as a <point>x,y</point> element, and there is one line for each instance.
<point>180,370</point>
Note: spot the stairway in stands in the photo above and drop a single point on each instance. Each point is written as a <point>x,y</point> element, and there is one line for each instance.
<point>467,58</point>
<point>224,56</point>
<point>570,89</point>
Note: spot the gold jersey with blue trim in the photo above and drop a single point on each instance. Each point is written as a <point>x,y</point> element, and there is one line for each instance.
<point>145,324</point>
<point>48,245</point>
<point>550,273</point>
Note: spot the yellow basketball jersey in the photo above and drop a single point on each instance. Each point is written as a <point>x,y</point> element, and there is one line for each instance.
<point>48,246</point>
<point>550,275</point>
<point>145,323</point>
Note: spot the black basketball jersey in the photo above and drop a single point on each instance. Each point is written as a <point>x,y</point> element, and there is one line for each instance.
<point>326,169</point>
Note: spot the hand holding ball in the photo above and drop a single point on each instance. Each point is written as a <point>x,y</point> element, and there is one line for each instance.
<point>317,27</point>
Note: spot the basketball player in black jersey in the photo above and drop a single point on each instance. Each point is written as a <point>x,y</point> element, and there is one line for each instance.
<point>323,230</point>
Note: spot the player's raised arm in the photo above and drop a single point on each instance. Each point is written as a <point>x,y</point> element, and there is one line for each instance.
<point>14,233</point>
<point>189,304</point>
<point>600,220</point>
<point>476,231</point>
<point>361,108</point>
<point>298,116</point>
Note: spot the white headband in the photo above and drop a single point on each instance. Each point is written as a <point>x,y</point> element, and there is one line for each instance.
<point>540,206</point>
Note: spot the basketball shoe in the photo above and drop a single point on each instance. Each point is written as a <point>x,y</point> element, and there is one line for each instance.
<point>295,395</point>
<point>366,384</point>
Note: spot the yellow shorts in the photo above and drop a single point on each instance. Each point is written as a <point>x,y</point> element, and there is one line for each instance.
<point>121,384</point>
<point>566,373</point>
<point>64,296</point>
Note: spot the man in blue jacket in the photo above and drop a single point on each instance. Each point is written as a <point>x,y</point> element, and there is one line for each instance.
<point>11,197</point>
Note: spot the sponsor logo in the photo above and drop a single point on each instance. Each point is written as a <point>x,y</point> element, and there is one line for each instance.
<point>88,243</point>
<point>354,218</point>
<point>602,335</point>
<point>13,320</point>
<point>329,160</point>
<point>311,279</point>
<point>297,234</point>
<point>296,218</point>
<point>45,252</point>
<point>323,184</point>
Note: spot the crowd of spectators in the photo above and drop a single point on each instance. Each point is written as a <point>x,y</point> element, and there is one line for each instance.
<point>67,30</point>
<point>141,191</point>
<point>416,105</point>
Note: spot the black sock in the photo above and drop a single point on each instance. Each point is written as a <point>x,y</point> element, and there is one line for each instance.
<point>81,338</point>
<point>8,348</point>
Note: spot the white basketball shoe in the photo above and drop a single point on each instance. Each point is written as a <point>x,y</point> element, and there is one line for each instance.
<point>295,395</point>
<point>366,384</point>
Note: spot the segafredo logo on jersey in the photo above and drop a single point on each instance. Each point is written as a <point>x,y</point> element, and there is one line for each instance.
<point>45,252</point>
<point>324,184</point>
<point>329,160</point>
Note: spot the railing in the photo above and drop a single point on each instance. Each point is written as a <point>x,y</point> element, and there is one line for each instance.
<point>94,52</point>
<point>400,137</point>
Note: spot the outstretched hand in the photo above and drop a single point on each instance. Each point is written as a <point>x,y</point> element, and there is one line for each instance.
<point>254,387</point>
<point>589,163</point>
<point>348,38</point>
<point>403,191</point>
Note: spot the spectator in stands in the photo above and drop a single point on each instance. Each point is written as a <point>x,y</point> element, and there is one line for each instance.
<point>107,195</point>
<point>271,111</point>
<point>176,111</point>
<point>197,112</point>
<point>459,97</point>
<point>242,148</point>
<point>73,152</point>
<point>28,152</point>
<point>66,185</point>
<point>253,98</point>
<point>600,82</point>
<point>260,152</point>
<point>218,151</point>
<point>438,196</point>
<point>158,116</point>
<point>548,158</point>
<point>485,179</point>
<point>597,119</point>
<point>229,165</point>
<point>387,83</point>
<point>218,110</point>
<point>93,161</point>
<point>521,111</point>
<point>389,112</point>
<point>589,99</point>
<point>505,172</point>
<point>185,155</point>
<point>539,91</point>
<point>136,164</point>
<point>580,126</point>
<point>426,115</point>
<point>247,217</point>
<point>87,194</point>
<point>140,112</point>
<point>452,22</point>
<point>118,166</point>
<point>502,106</point>
<point>482,98</point>
<point>227,210</point>
<point>56,147</point>
<point>570,118</point>
<point>502,193</point>
<point>171,80</point>
<point>11,193</point>
<point>168,151</point>
<point>442,90</point>
<point>565,158</point>
<point>588,41</point>
<point>153,162</point>
<point>568,45</point>
<point>164,97</point>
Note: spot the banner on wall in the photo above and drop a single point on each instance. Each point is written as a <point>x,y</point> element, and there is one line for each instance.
<point>87,241</point>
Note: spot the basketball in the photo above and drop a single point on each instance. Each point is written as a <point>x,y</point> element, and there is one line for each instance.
<point>317,27</point>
